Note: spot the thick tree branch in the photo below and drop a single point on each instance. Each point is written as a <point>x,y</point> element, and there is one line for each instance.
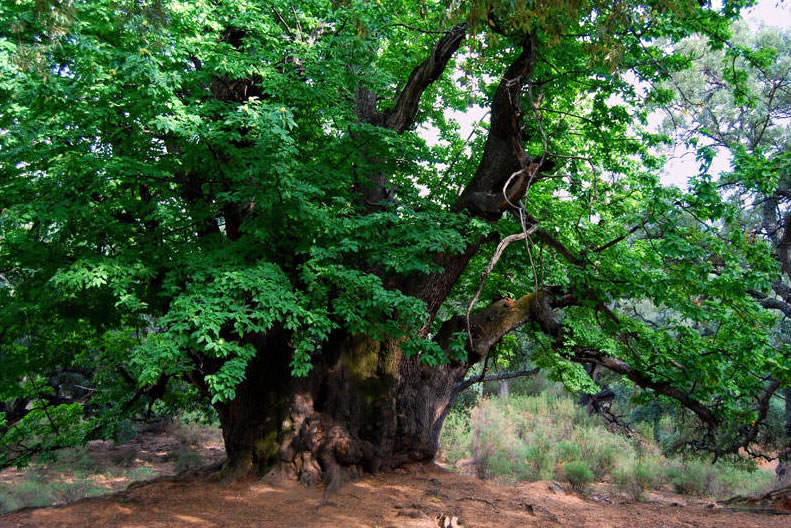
<point>763,410</point>
<point>503,155</point>
<point>504,243</point>
<point>644,380</point>
<point>771,303</point>
<point>401,117</point>
<point>781,289</point>
<point>503,160</point>
<point>749,432</point>
<point>489,325</point>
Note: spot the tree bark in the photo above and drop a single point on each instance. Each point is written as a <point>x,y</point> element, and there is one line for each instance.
<point>783,470</point>
<point>364,407</point>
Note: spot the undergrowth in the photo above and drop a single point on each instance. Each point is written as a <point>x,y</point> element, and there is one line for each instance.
<point>548,436</point>
<point>76,473</point>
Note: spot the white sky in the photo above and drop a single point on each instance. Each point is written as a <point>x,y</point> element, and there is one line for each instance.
<point>770,13</point>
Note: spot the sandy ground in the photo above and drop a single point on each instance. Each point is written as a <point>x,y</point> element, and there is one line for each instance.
<point>412,497</point>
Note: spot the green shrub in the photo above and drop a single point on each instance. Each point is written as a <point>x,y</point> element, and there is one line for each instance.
<point>456,438</point>
<point>75,459</point>
<point>524,437</point>
<point>602,460</point>
<point>578,474</point>
<point>702,478</point>
<point>568,451</point>
<point>67,492</point>
<point>734,480</point>
<point>8,500</point>
<point>625,482</point>
<point>31,493</point>
<point>193,434</point>
<point>494,445</point>
<point>691,478</point>
<point>601,449</point>
<point>647,474</point>
<point>540,462</point>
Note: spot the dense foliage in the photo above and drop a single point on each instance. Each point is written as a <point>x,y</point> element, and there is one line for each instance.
<point>735,103</point>
<point>192,190</point>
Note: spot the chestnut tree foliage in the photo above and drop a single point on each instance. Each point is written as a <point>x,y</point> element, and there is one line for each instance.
<point>235,204</point>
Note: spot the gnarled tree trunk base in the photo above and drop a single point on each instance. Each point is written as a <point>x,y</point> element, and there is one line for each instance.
<point>364,408</point>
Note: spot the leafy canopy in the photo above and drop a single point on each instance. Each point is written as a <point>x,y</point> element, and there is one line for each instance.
<point>177,178</point>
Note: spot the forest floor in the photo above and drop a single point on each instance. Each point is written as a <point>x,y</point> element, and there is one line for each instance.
<point>158,450</point>
<point>410,497</point>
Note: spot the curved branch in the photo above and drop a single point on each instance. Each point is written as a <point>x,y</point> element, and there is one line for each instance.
<point>503,154</point>
<point>483,197</point>
<point>504,243</point>
<point>644,380</point>
<point>501,317</point>
<point>402,116</point>
<point>771,303</point>
<point>489,325</point>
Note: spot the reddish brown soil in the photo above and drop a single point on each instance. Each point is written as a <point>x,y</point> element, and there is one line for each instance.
<point>407,498</point>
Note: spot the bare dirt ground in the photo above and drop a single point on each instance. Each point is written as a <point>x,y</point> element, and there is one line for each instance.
<point>410,498</point>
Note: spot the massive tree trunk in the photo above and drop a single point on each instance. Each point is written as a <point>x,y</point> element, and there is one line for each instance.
<point>364,407</point>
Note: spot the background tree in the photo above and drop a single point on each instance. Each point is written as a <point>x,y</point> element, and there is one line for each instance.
<point>229,203</point>
<point>736,102</point>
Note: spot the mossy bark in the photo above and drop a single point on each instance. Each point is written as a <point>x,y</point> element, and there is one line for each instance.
<point>363,408</point>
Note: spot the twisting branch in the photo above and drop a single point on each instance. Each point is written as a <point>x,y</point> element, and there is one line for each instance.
<point>503,157</point>
<point>490,324</point>
<point>402,116</point>
<point>645,381</point>
<point>763,410</point>
<point>504,243</point>
<point>770,303</point>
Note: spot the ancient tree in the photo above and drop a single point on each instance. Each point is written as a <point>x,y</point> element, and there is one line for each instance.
<point>270,209</point>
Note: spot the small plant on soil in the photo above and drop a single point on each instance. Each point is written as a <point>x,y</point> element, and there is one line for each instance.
<point>578,474</point>
<point>624,481</point>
